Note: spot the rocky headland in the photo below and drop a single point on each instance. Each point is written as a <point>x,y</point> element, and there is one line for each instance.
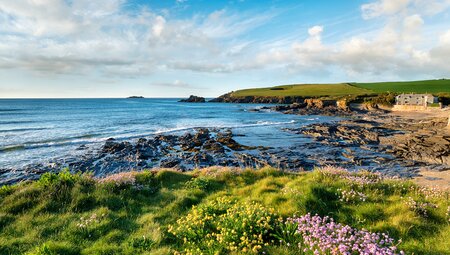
<point>229,98</point>
<point>193,99</point>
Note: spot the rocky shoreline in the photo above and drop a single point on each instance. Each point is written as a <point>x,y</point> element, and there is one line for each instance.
<point>418,140</point>
<point>366,138</point>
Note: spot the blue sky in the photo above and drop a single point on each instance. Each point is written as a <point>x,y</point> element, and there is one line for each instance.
<point>174,48</point>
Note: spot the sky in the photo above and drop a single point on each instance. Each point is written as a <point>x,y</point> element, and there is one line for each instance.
<point>175,48</point>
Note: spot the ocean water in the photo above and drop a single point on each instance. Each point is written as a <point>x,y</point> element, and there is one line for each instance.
<point>38,130</point>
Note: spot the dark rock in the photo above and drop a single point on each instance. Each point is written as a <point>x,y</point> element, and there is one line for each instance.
<point>169,162</point>
<point>213,146</point>
<point>229,98</point>
<point>144,153</point>
<point>193,99</point>
<point>111,146</point>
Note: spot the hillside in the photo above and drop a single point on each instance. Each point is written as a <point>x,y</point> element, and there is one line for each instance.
<point>345,89</point>
<point>223,211</point>
<point>304,90</point>
<point>427,86</point>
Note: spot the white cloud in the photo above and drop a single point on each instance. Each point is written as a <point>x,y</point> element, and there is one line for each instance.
<point>393,7</point>
<point>175,84</point>
<point>158,27</point>
<point>444,39</point>
<point>315,31</point>
<point>83,37</point>
<point>412,26</point>
<point>383,7</point>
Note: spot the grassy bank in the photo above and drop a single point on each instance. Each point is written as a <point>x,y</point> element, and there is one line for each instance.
<point>219,211</point>
<point>441,87</point>
<point>304,90</point>
<point>427,86</point>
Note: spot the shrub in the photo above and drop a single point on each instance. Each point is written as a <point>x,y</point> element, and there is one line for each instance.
<point>324,236</point>
<point>247,227</point>
<point>53,180</point>
<point>225,226</point>
<point>201,183</point>
<point>387,99</point>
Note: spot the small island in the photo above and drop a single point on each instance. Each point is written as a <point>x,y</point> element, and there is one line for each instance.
<point>132,97</point>
<point>193,99</point>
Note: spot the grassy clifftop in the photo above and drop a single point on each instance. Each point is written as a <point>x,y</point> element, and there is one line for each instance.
<point>345,89</point>
<point>304,90</point>
<point>428,86</point>
<point>222,211</point>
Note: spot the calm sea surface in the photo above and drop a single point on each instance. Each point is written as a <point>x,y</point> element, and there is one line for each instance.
<point>37,130</point>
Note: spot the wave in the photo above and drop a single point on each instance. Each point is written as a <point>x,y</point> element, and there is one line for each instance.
<point>3,122</point>
<point>21,130</point>
<point>12,148</point>
<point>258,123</point>
<point>74,140</point>
<point>10,110</point>
<point>94,137</point>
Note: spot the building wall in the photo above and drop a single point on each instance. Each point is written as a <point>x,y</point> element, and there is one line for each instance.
<point>415,99</point>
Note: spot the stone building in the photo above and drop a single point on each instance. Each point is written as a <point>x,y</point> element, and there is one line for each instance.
<point>416,99</point>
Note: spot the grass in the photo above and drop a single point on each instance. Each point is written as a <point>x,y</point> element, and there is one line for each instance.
<point>305,90</point>
<point>437,87</point>
<point>149,212</point>
<point>427,86</point>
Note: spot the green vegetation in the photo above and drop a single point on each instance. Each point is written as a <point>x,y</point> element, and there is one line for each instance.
<point>437,87</point>
<point>304,90</point>
<point>212,211</point>
<point>427,86</point>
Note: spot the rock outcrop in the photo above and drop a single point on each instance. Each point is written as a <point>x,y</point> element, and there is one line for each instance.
<point>315,107</point>
<point>193,99</point>
<point>229,98</point>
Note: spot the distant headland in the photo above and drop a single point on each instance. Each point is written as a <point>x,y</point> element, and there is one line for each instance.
<point>135,97</point>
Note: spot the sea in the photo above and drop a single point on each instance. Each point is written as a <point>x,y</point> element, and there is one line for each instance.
<point>40,130</point>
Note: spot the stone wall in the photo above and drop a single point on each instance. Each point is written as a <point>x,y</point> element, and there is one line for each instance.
<point>409,108</point>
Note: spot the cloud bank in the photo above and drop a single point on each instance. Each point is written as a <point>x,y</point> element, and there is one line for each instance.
<point>105,38</point>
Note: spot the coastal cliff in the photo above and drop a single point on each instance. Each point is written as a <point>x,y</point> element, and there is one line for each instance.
<point>229,98</point>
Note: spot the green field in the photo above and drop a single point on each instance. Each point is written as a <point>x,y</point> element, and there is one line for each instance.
<point>428,86</point>
<point>345,89</point>
<point>304,90</point>
<point>214,211</point>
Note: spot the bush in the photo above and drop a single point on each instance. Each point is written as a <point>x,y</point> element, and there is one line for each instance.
<point>225,226</point>
<point>201,183</point>
<point>63,178</point>
<point>387,99</point>
<point>324,236</point>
